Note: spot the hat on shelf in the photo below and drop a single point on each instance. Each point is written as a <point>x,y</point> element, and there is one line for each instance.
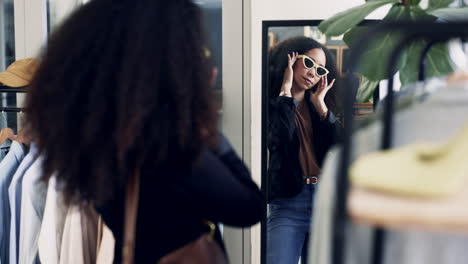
<point>19,73</point>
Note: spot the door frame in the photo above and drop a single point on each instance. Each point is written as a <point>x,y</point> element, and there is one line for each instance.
<point>241,245</point>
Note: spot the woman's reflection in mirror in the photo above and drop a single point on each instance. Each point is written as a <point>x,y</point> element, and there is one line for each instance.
<point>301,129</point>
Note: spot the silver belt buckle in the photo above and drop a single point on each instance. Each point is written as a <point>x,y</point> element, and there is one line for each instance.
<point>311,180</point>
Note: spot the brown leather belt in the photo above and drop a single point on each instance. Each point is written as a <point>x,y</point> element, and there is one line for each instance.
<point>311,180</point>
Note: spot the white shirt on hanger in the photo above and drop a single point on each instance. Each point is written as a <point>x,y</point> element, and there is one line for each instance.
<point>33,199</point>
<point>50,235</point>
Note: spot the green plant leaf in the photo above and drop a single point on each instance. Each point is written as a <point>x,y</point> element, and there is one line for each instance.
<point>408,13</point>
<point>343,21</point>
<point>436,4</point>
<point>374,61</point>
<point>366,89</point>
<point>354,34</point>
<point>451,14</point>
<point>418,14</point>
<point>414,2</point>
<point>438,62</point>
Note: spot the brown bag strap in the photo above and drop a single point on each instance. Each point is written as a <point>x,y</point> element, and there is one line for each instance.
<point>131,211</point>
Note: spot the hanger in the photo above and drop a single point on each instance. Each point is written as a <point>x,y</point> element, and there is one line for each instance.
<point>22,137</point>
<point>6,133</point>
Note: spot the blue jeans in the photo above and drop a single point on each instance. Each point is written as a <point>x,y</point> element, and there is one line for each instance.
<point>288,226</point>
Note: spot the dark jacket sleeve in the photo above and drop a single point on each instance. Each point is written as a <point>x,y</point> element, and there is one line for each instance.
<point>284,172</point>
<point>221,184</point>
<point>326,133</point>
<point>281,121</point>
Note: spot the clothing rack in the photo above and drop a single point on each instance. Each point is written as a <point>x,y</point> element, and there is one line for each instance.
<point>434,33</point>
<point>11,109</point>
<point>7,89</point>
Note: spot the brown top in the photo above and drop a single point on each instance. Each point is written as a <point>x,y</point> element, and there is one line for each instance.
<point>306,145</point>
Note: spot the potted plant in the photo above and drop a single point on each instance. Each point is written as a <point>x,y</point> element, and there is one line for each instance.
<point>374,70</point>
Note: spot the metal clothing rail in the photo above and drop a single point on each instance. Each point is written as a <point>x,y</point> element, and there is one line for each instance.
<point>12,109</point>
<point>7,89</point>
<point>410,31</point>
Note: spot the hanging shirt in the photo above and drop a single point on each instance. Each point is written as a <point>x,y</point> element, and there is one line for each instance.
<point>4,147</point>
<point>106,244</point>
<point>80,236</point>
<point>33,199</point>
<point>420,165</point>
<point>50,235</point>
<point>8,167</point>
<point>446,214</point>
<point>71,233</point>
<point>14,192</point>
<point>307,157</point>
<point>413,192</point>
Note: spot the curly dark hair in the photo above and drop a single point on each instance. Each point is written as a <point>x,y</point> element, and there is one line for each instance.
<point>121,84</point>
<point>278,61</point>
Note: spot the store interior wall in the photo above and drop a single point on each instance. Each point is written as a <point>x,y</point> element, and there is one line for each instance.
<point>60,9</point>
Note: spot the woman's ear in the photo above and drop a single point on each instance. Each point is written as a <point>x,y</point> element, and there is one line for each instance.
<point>214,76</point>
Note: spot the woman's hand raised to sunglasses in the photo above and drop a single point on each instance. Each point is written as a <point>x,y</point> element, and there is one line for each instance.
<point>317,98</point>
<point>288,75</point>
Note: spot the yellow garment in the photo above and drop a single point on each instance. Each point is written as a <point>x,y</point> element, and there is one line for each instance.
<point>422,169</point>
<point>447,214</point>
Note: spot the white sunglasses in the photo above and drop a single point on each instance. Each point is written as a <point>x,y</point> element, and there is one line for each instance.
<point>309,63</point>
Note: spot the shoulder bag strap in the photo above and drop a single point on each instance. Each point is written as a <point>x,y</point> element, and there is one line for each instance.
<point>131,211</point>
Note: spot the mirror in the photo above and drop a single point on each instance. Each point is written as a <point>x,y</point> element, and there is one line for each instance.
<point>301,114</point>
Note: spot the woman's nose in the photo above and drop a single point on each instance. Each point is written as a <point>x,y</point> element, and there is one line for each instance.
<point>312,72</point>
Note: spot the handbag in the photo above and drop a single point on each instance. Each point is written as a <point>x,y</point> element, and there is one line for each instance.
<point>203,250</point>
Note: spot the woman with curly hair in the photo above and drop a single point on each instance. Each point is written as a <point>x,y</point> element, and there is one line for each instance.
<point>301,129</point>
<point>126,86</point>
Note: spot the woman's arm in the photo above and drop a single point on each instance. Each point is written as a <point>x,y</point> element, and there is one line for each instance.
<point>326,132</point>
<point>282,109</point>
<point>221,185</point>
<point>324,121</point>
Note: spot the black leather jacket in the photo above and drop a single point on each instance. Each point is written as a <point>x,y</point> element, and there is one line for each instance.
<point>285,179</point>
